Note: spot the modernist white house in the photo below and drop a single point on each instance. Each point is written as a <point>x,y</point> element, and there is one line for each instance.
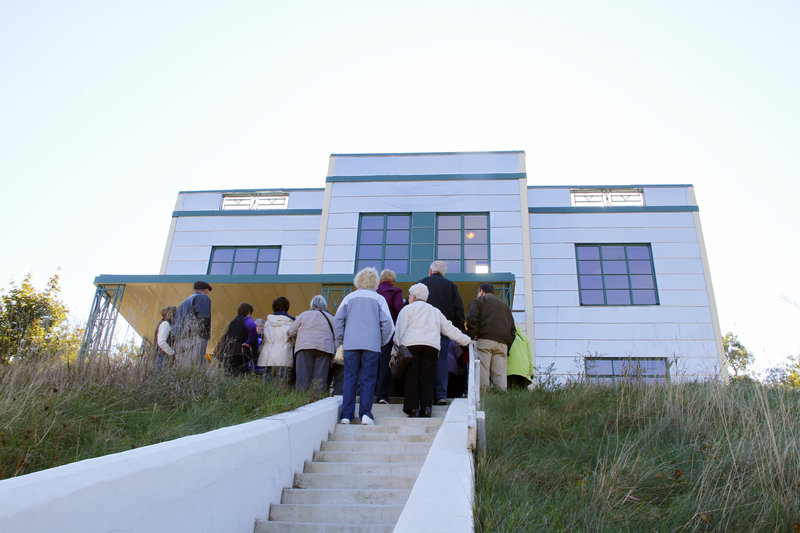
<point>604,279</point>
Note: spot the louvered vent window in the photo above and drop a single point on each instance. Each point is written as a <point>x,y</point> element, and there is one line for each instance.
<point>606,197</point>
<point>254,201</point>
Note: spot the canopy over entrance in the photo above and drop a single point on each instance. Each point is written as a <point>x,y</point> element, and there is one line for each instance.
<point>140,298</point>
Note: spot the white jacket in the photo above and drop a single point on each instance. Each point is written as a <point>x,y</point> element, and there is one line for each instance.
<point>420,323</point>
<point>277,349</point>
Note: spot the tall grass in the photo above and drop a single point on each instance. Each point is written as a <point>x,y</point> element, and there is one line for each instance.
<point>683,457</point>
<point>52,413</point>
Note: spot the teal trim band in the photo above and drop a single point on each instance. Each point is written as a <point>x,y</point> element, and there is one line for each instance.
<point>617,209</point>
<point>246,212</point>
<point>432,153</point>
<point>105,279</point>
<point>652,186</point>
<point>266,191</point>
<point>428,177</point>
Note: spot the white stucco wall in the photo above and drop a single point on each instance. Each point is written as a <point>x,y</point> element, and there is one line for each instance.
<point>220,481</point>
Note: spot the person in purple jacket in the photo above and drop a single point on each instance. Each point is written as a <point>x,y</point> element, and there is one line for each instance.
<point>394,299</point>
<point>362,326</point>
<point>242,340</point>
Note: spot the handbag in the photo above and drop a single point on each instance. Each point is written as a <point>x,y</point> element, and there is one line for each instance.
<point>338,357</point>
<point>401,359</point>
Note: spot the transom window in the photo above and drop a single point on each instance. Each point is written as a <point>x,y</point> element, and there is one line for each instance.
<point>254,201</point>
<point>462,241</point>
<point>383,242</point>
<point>607,197</point>
<point>611,370</point>
<point>616,274</point>
<point>245,260</point>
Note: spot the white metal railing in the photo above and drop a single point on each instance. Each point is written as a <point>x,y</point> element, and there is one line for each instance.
<point>473,396</point>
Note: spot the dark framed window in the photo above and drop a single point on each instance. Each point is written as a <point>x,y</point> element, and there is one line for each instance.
<point>384,242</point>
<point>616,274</point>
<point>227,260</point>
<point>612,370</point>
<point>462,241</point>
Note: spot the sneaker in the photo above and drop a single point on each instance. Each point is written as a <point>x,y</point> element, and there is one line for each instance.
<point>367,421</point>
<point>344,421</point>
<point>383,401</point>
<point>441,401</point>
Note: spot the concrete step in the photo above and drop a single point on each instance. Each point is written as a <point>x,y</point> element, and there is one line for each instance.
<point>353,481</point>
<point>296,527</point>
<point>338,514</point>
<point>399,420</point>
<point>372,436</point>
<point>394,429</point>
<point>375,447</point>
<point>346,496</point>
<point>383,469</point>
<point>387,456</point>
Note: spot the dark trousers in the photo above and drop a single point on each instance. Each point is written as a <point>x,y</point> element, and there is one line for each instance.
<point>384,373</point>
<point>442,374</point>
<point>420,378</point>
<point>311,368</point>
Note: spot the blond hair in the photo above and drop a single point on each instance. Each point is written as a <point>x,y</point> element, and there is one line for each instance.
<point>388,275</point>
<point>367,278</point>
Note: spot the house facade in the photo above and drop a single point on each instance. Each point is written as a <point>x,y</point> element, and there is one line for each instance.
<point>605,280</point>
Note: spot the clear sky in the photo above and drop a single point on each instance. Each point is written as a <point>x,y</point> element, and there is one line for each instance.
<point>108,109</point>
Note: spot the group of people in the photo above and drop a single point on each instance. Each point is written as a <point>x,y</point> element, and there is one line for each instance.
<point>354,349</point>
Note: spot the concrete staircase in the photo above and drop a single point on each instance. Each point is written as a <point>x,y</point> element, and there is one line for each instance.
<point>360,478</point>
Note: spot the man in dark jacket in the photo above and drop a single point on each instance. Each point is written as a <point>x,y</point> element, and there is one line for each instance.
<point>192,326</point>
<point>443,295</point>
<point>489,320</point>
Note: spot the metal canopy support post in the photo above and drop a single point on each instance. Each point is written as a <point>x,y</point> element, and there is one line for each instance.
<point>335,293</point>
<point>102,320</point>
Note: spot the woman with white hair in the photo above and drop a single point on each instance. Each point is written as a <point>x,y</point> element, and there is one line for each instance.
<point>419,328</point>
<point>314,345</point>
<point>362,325</point>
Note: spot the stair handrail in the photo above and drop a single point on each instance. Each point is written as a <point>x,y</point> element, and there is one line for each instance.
<point>473,396</point>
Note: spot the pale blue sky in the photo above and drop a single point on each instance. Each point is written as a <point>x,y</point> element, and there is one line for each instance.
<point>108,109</point>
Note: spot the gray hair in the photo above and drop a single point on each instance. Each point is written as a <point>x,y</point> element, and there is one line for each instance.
<point>367,278</point>
<point>318,302</point>
<point>419,291</point>
<point>388,275</point>
<point>439,266</point>
<point>259,321</point>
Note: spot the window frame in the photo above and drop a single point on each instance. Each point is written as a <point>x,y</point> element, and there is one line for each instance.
<point>214,249</point>
<point>462,260</point>
<point>628,275</point>
<point>383,244</point>
<point>617,378</point>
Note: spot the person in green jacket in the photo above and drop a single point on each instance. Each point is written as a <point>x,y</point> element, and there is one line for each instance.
<point>520,366</point>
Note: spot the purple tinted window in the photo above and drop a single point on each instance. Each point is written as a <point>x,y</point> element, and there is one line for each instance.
<point>220,268</point>
<point>616,282</point>
<point>592,297</point>
<point>614,267</point>
<point>599,367</point>
<point>642,282</point>
<point>476,251</point>
<point>372,237</point>
<point>589,267</point>
<point>449,252</point>
<point>449,222</point>
<point>474,222</point>
<point>246,254</point>
<point>588,252</point>
<point>268,254</point>
<point>618,297</point>
<point>370,251</point>
<point>639,252</point>
<point>614,252</point>
<point>223,255</point>
<point>453,267</point>
<point>267,268</point>
<point>243,268</point>
<point>399,267</point>
<point>450,236</point>
<point>397,222</point>
<point>472,265</point>
<point>640,267</point>
<point>397,251</point>
<point>591,282</point>
<point>644,297</point>
<point>479,236</point>
<point>372,222</point>
<point>397,237</point>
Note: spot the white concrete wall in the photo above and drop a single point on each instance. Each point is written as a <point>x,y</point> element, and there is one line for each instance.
<point>221,481</point>
<point>444,163</point>
<point>441,499</point>
<point>193,238</point>
<point>681,327</point>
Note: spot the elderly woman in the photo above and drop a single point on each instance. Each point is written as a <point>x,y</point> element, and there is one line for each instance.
<point>314,345</point>
<point>242,340</point>
<point>419,328</point>
<point>394,299</point>
<point>277,352</point>
<point>362,326</point>
<point>163,350</point>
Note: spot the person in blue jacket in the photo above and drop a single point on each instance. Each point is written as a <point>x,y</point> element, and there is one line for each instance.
<point>192,326</point>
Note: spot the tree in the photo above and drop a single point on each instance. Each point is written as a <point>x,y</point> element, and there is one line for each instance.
<point>34,323</point>
<point>786,375</point>
<point>736,355</point>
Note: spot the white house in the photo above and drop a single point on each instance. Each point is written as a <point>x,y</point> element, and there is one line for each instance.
<point>605,279</point>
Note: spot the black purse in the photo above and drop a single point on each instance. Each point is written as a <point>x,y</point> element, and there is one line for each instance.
<point>400,362</point>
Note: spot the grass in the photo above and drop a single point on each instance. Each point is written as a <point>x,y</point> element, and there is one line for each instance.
<point>683,457</point>
<point>54,413</point>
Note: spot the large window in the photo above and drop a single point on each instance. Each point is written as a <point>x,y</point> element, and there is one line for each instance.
<point>462,240</point>
<point>245,260</point>
<point>616,274</point>
<point>383,242</point>
<point>611,370</point>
